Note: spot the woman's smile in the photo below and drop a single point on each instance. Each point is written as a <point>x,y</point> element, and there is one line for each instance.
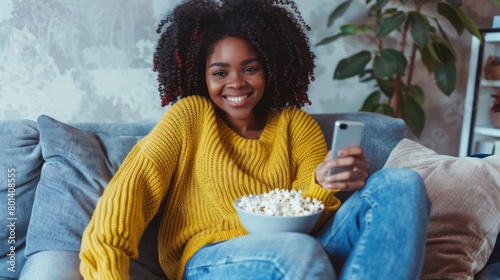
<point>238,100</point>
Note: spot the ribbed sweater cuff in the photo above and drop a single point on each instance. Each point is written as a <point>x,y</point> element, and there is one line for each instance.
<point>117,270</point>
<point>326,196</point>
<point>107,275</point>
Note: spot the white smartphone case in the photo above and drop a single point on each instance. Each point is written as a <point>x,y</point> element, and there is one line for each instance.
<point>345,134</point>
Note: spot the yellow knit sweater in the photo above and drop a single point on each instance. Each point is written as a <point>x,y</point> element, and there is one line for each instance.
<point>194,161</point>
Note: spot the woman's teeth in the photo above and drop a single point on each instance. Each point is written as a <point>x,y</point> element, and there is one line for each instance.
<point>236,98</point>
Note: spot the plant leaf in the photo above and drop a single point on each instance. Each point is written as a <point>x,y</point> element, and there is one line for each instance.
<point>352,66</point>
<point>347,29</point>
<point>384,109</point>
<point>444,52</point>
<point>354,29</point>
<point>428,59</point>
<point>366,76</point>
<point>418,94</point>
<point>469,24</point>
<point>414,115</point>
<point>390,11</point>
<point>432,51</point>
<point>455,3</point>
<point>330,39</point>
<point>380,4</point>
<point>445,74</point>
<point>390,24</point>
<point>419,28</point>
<point>387,86</point>
<point>446,77</point>
<point>371,102</point>
<point>495,2</point>
<point>368,72</point>
<point>451,15</point>
<point>404,1</point>
<point>339,11</point>
<point>441,31</point>
<point>367,79</point>
<point>388,63</point>
<point>439,39</point>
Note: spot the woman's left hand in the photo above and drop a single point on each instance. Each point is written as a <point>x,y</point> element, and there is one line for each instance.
<point>350,180</point>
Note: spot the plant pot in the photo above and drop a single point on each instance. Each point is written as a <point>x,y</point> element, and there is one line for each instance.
<point>495,118</point>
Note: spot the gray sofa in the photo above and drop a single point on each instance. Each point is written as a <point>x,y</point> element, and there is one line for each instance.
<point>53,173</point>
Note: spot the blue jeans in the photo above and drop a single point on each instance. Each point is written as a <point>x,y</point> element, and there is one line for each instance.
<point>49,265</point>
<point>378,233</point>
<point>65,265</point>
<point>490,272</point>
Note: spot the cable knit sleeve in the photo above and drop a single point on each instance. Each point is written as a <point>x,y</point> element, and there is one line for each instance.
<point>309,149</point>
<point>131,200</point>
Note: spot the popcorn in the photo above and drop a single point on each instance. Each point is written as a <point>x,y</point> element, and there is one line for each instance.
<point>282,203</point>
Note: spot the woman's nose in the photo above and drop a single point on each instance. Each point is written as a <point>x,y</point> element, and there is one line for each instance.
<point>237,81</point>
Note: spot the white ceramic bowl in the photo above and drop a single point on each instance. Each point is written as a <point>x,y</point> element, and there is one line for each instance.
<point>261,223</point>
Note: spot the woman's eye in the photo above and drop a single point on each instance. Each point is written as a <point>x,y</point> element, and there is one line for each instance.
<point>218,74</point>
<point>250,69</point>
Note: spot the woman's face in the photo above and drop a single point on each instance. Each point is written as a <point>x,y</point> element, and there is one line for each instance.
<point>235,78</point>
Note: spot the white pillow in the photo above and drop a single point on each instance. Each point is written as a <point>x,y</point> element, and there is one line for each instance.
<point>465,216</point>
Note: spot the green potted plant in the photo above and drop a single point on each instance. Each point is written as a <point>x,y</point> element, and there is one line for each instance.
<point>390,68</point>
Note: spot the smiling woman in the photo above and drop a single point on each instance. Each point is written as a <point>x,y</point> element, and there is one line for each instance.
<point>237,74</point>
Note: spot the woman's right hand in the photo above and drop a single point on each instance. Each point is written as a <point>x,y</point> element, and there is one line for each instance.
<point>350,180</point>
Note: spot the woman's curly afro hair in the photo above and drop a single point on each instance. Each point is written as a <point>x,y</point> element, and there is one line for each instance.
<point>274,28</point>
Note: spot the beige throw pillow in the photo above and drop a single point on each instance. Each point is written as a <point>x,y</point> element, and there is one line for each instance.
<point>465,216</point>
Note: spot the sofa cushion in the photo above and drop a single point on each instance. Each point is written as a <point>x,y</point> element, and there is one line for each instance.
<point>20,165</point>
<point>76,171</point>
<point>465,218</point>
<point>80,161</point>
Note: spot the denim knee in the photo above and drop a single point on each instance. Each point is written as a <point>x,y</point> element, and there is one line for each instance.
<point>401,175</point>
<point>406,180</point>
<point>307,251</point>
<point>262,256</point>
<point>50,265</point>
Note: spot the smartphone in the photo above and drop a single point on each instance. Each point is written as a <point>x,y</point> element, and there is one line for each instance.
<point>345,134</point>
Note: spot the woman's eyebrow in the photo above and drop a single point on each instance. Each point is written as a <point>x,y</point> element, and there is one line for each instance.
<point>222,64</point>
<point>219,64</point>
<point>248,61</point>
